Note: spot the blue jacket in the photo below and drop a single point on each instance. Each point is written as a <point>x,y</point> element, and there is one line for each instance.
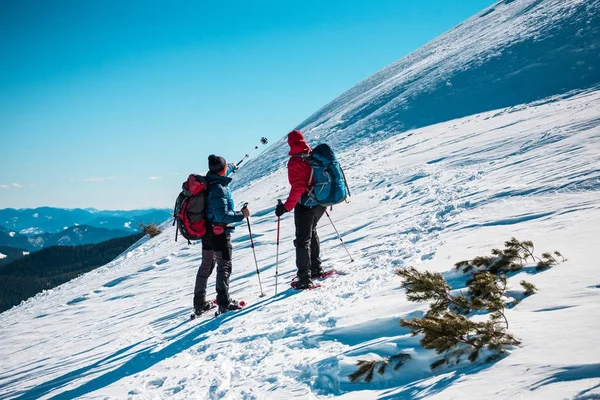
<point>220,206</point>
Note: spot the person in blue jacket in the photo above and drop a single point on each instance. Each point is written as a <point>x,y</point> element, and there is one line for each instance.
<point>216,244</point>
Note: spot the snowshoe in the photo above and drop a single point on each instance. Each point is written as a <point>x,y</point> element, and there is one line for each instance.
<point>208,305</point>
<point>317,272</point>
<point>304,284</point>
<point>327,274</point>
<point>233,305</point>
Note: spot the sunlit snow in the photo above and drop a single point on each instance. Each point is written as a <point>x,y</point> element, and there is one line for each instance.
<point>490,131</point>
<point>428,198</point>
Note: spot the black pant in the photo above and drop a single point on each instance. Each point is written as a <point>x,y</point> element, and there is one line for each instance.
<point>216,250</point>
<point>307,243</point>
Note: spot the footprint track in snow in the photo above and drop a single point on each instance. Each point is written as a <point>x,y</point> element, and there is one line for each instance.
<point>146,269</point>
<point>115,282</point>
<point>77,300</point>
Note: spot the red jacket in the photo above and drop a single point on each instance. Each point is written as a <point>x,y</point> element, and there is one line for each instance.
<point>298,169</point>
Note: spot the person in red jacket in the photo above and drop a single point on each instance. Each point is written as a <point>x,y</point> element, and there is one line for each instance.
<point>306,218</point>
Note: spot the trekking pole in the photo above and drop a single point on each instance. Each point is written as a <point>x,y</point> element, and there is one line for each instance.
<point>277,254</point>
<point>339,236</point>
<point>262,294</point>
<point>263,140</point>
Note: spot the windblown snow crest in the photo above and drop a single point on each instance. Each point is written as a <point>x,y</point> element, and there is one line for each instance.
<point>515,52</point>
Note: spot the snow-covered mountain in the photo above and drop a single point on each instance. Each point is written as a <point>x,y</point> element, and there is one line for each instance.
<point>424,197</point>
<point>514,52</point>
<point>31,222</point>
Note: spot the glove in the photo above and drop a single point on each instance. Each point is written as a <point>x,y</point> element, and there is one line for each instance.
<point>280,210</point>
<point>245,212</point>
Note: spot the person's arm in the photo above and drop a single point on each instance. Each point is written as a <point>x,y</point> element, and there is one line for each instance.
<point>231,168</point>
<point>298,176</point>
<point>219,207</point>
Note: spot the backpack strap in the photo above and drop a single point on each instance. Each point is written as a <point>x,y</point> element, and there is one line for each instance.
<point>312,172</point>
<point>345,181</point>
<point>304,156</point>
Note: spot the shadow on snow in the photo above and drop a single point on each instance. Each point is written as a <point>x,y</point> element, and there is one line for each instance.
<point>139,360</point>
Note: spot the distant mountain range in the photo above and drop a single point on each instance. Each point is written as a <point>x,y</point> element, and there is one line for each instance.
<point>44,220</point>
<point>72,236</point>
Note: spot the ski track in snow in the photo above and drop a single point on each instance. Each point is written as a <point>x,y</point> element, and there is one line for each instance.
<point>427,197</point>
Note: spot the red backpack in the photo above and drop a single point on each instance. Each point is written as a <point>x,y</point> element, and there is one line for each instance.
<point>189,209</point>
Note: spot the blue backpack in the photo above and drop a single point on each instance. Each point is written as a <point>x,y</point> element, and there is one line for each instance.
<point>330,183</point>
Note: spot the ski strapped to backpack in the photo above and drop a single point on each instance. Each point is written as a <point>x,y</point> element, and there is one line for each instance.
<point>189,209</point>
<point>330,185</point>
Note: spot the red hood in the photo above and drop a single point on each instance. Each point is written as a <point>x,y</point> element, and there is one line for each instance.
<point>297,143</point>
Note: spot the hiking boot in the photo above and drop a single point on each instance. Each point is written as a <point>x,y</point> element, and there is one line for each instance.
<point>206,305</point>
<point>317,272</point>
<point>233,305</point>
<point>305,283</point>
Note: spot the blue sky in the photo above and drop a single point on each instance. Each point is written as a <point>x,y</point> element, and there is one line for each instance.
<point>109,104</point>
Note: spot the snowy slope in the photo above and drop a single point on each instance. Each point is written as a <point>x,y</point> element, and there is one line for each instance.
<point>427,197</point>
<point>514,52</point>
<point>490,131</point>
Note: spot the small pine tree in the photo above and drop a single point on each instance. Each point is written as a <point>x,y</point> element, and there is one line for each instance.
<point>426,286</point>
<point>366,368</point>
<point>152,230</point>
<point>546,262</point>
<point>446,327</point>
<point>512,258</point>
<point>529,288</point>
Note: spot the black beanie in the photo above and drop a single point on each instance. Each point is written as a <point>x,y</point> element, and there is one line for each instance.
<point>216,164</point>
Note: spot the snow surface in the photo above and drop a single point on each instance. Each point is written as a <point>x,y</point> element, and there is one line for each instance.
<point>36,241</point>
<point>423,195</point>
<point>31,231</point>
<point>428,197</point>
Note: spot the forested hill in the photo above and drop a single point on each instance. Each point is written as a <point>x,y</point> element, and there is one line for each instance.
<point>53,266</point>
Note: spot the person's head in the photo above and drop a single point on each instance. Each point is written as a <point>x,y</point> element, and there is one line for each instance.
<point>217,165</point>
<point>297,142</point>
